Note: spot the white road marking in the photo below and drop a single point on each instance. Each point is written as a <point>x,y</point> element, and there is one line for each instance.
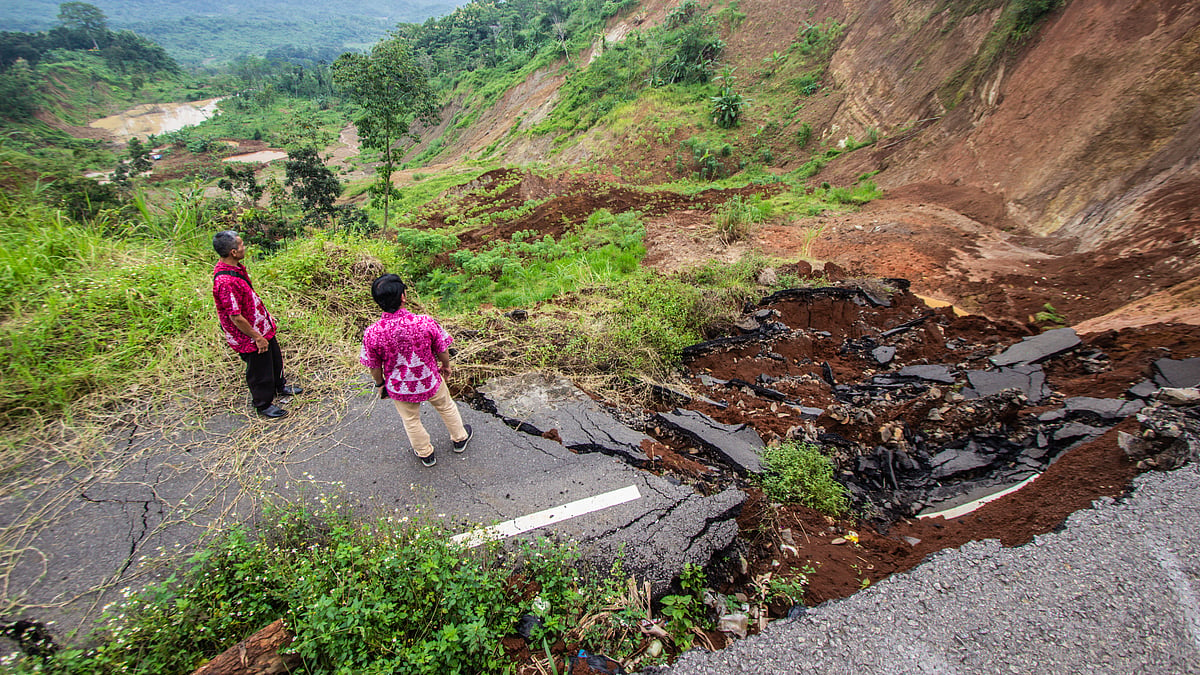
<point>557,514</point>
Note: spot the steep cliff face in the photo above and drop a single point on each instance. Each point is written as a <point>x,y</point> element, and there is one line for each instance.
<point>1078,132</point>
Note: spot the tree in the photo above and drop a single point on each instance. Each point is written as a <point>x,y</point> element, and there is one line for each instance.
<point>312,183</point>
<point>392,91</point>
<point>84,19</point>
<point>241,184</point>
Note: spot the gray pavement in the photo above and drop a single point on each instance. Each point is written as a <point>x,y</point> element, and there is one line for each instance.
<point>73,536</point>
<point>1114,592</point>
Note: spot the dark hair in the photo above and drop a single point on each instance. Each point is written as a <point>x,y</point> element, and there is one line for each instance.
<point>224,242</point>
<point>388,292</point>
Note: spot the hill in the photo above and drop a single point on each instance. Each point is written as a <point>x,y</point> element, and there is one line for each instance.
<point>196,32</point>
<point>1029,156</point>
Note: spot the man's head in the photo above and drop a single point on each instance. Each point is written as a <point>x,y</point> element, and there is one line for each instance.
<point>228,244</point>
<point>388,292</point>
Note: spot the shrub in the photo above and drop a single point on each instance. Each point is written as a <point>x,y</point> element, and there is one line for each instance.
<point>799,473</point>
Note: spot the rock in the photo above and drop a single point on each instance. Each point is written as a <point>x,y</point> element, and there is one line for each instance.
<point>1178,396</point>
<point>739,444</point>
<point>1038,348</point>
<point>1170,438</point>
<point>517,314</point>
<point>1178,374</point>
<point>746,324</point>
<point>767,277</point>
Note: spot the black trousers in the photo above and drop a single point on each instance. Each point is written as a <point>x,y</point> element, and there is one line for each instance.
<point>264,374</point>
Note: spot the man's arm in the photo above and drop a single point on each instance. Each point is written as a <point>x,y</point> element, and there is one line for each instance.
<point>377,376</point>
<point>243,325</point>
<point>444,363</point>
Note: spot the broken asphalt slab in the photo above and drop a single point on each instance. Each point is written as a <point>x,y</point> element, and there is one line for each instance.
<point>549,405</point>
<point>738,444</point>
<point>76,536</point>
<point>1038,347</point>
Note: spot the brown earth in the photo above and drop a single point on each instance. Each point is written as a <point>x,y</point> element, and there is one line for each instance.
<point>944,239</point>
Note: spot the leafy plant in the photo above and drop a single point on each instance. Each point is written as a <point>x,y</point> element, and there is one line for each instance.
<point>1049,315</point>
<point>798,472</point>
<point>791,589</point>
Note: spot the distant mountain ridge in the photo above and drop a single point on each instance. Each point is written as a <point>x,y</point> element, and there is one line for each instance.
<point>204,32</point>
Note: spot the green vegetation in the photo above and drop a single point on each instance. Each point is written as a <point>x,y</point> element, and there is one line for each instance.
<point>394,595</point>
<point>799,473</point>
<point>392,91</point>
<point>734,218</point>
<point>1015,23</point>
<point>1049,317</point>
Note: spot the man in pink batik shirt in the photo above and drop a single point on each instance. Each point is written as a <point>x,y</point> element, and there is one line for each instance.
<point>249,328</point>
<point>406,354</point>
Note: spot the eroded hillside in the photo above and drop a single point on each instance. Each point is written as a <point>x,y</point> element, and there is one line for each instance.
<point>1055,166</point>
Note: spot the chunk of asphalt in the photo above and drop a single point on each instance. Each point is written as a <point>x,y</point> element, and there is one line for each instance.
<point>933,373</point>
<point>883,355</point>
<point>739,444</point>
<point>956,461</point>
<point>539,403</point>
<point>1075,430</point>
<point>1106,408</point>
<point>1029,379</point>
<point>1038,347</point>
<point>658,545</point>
<point>1177,374</point>
<point>1144,389</point>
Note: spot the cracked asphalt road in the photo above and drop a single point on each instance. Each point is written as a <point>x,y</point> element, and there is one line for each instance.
<point>72,537</point>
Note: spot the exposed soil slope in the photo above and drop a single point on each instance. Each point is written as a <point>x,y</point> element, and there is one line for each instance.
<point>1063,170</point>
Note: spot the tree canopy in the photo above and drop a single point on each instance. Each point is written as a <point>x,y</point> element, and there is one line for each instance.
<point>392,91</point>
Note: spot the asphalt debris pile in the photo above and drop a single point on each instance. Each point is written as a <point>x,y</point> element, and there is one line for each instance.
<point>920,409</point>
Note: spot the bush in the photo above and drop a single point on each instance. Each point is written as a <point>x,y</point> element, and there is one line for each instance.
<point>799,473</point>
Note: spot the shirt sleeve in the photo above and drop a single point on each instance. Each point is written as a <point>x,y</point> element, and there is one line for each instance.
<point>366,356</point>
<point>441,340</point>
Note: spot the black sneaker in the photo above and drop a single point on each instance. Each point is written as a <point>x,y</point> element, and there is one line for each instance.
<point>430,460</point>
<point>459,446</point>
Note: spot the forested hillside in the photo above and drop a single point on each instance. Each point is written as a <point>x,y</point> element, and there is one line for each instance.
<point>197,32</point>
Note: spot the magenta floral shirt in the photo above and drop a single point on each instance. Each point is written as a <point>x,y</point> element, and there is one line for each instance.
<point>404,345</point>
<point>234,295</point>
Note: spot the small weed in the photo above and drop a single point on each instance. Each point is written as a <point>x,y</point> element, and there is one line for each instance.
<point>734,219</point>
<point>799,473</point>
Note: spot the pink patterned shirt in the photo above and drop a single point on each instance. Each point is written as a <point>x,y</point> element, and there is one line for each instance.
<point>404,345</point>
<point>234,295</point>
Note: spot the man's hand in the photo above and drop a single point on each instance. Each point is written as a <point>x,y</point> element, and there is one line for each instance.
<point>261,343</point>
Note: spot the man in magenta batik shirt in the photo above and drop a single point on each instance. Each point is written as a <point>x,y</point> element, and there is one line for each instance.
<point>249,328</point>
<point>408,359</point>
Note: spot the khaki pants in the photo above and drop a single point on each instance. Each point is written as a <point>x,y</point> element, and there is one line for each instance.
<point>411,414</point>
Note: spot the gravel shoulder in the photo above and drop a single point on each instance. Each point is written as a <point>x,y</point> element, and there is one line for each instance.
<point>1115,591</point>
